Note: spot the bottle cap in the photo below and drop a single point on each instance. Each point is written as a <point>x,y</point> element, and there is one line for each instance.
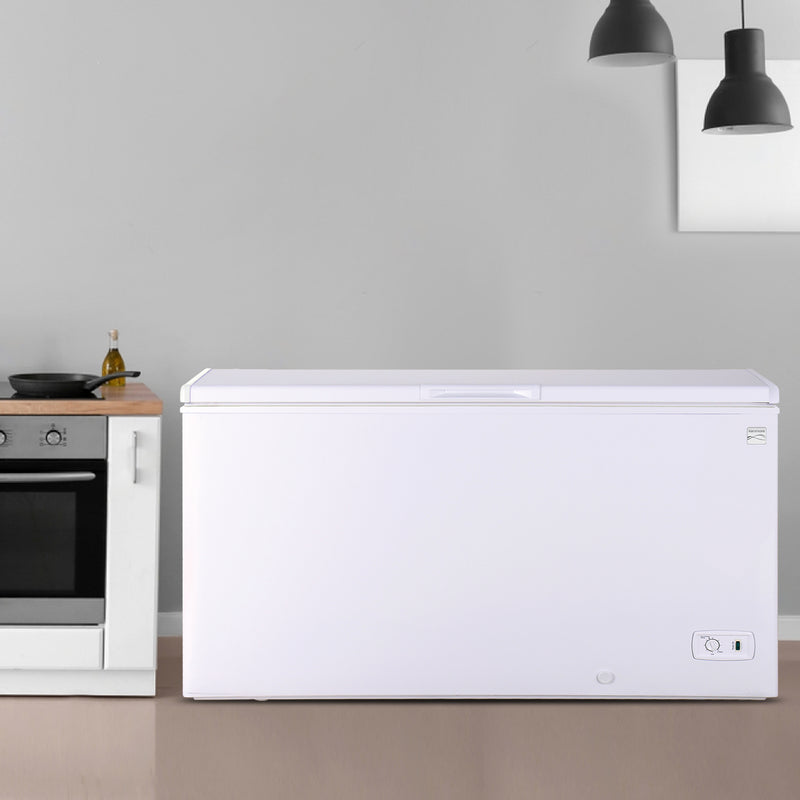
<point>113,333</point>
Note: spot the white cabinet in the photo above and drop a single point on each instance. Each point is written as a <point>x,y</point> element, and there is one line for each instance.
<point>118,657</point>
<point>117,654</point>
<point>134,466</point>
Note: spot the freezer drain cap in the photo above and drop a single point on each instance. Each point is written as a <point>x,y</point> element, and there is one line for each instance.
<point>605,677</point>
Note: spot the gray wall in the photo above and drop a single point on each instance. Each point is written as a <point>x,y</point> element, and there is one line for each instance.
<point>368,183</point>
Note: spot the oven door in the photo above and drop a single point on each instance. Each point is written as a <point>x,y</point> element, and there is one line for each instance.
<point>52,541</point>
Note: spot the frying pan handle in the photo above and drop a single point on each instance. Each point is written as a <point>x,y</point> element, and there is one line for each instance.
<point>93,384</point>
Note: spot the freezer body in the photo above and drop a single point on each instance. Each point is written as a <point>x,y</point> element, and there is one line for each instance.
<point>468,547</point>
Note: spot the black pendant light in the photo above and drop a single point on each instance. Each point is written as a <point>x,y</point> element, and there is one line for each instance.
<point>746,100</point>
<point>631,33</point>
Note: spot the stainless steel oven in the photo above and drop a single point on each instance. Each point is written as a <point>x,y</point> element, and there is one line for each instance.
<point>53,487</point>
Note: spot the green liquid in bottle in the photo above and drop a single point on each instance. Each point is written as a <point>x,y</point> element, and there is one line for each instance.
<point>113,362</point>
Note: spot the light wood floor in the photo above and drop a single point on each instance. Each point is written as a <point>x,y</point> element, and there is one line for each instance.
<point>168,747</point>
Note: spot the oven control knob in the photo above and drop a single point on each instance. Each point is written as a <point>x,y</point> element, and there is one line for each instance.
<point>3,437</point>
<point>52,437</point>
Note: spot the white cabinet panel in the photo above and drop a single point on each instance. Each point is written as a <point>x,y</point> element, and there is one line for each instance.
<point>42,647</point>
<point>134,468</point>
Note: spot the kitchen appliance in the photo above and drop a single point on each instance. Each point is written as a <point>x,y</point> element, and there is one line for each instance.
<point>79,508</point>
<point>53,486</point>
<point>62,384</point>
<point>480,534</point>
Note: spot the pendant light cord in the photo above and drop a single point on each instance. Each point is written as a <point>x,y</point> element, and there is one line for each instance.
<point>743,13</point>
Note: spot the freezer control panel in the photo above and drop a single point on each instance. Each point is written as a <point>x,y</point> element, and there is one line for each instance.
<point>723,645</point>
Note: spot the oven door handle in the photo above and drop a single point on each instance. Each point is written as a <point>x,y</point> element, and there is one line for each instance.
<point>46,477</point>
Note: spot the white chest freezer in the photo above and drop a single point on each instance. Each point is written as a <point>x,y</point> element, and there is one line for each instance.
<point>480,534</point>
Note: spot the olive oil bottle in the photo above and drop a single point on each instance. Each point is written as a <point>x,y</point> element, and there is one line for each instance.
<point>113,362</point>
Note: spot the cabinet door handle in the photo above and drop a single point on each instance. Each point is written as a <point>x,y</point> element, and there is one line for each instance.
<point>135,456</point>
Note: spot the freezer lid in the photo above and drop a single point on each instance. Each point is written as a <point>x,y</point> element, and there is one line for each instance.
<point>661,387</point>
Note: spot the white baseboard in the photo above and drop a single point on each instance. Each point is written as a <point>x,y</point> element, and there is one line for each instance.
<point>789,628</point>
<point>170,623</point>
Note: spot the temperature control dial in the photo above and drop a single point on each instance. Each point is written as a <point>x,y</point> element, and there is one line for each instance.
<point>52,437</point>
<point>3,437</point>
<point>723,645</point>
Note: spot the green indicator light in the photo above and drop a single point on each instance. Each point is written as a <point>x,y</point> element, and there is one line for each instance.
<point>737,645</point>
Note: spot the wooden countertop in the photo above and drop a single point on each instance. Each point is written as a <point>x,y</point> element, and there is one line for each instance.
<point>134,399</point>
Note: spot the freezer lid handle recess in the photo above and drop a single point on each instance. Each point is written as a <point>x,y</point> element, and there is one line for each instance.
<point>479,393</point>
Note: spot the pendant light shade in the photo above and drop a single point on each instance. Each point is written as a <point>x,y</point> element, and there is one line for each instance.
<point>631,33</point>
<point>746,101</point>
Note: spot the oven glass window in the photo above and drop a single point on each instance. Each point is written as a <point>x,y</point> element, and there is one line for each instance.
<point>38,541</point>
<point>52,529</point>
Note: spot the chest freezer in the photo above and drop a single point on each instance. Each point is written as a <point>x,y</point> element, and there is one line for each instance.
<point>480,534</point>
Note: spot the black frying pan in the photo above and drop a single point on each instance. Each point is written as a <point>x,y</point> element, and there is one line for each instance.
<point>62,384</point>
